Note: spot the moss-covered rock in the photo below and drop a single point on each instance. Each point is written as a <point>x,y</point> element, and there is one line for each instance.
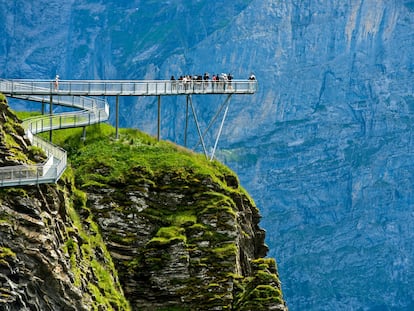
<point>134,224</point>
<point>50,259</point>
<point>181,230</point>
<point>15,149</point>
<point>52,256</point>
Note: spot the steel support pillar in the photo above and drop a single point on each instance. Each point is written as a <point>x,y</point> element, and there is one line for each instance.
<point>186,122</point>
<point>51,118</point>
<point>117,117</point>
<point>159,118</point>
<point>84,133</point>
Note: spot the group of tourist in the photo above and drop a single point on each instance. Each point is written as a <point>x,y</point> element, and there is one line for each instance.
<point>186,82</point>
<point>218,82</point>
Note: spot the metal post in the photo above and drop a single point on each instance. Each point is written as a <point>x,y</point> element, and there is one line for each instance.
<point>51,119</point>
<point>117,117</point>
<point>159,117</point>
<point>186,122</point>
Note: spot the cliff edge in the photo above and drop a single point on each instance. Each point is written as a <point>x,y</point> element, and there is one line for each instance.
<point>134,224</point>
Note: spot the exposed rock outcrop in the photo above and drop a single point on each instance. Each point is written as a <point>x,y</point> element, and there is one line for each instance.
<point>14,147</point>
<point>50,259</point>
<point>179,239</point>
<point>153,234</point>
<point>181,230</point>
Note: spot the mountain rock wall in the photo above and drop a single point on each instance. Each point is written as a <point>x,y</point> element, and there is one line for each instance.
<point>49,258</point>
<point>183,241</point>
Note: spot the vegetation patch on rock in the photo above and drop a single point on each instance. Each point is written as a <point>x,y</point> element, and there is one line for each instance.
<point>181,230</point>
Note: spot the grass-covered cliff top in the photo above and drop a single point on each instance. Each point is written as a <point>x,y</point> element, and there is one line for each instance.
<point>115,157</point>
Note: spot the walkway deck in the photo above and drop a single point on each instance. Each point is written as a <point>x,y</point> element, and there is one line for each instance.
<point>90,110</point>
<point>125,88</point>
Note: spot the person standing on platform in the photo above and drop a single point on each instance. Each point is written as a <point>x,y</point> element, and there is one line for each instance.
<point>206,77</point>
<point>173,83</point>
<point>252,78</point>
<point>57,82</point>
<point>229,78</point>
<point>214,80</point>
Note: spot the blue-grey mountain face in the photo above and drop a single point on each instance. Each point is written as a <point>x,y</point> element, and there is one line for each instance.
<point>326,147</point>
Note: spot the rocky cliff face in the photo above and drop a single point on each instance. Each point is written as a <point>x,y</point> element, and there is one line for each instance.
<point>183,240</point>
<point>47,259</point>
<point>182,232</point>
<point>15,149</point>
<point>154,239</point>
<point>45,262</point>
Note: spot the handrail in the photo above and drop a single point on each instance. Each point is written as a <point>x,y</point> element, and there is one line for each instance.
<point>75,93</point>
<point>91,111</point>
<point>127,87</point>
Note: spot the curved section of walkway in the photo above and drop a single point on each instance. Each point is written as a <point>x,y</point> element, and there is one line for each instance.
<point>72,93</point>
<point>89,111</point>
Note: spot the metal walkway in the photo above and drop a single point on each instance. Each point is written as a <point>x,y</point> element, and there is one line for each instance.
<point>126,88</point>
<point>90,110</point>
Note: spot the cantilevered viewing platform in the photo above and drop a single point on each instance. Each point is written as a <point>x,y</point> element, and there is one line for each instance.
<point>125,87</point>
<point>89,109</point>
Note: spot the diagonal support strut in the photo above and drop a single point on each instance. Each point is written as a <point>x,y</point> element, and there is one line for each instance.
<point>224,106</point>
<point>198,126</point>
<point>227,103</point>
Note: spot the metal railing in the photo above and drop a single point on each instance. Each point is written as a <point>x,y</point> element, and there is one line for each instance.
<point>92,111</point>
<point>47,172</point>
<point>126,88</point>
<point>72,93</point>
